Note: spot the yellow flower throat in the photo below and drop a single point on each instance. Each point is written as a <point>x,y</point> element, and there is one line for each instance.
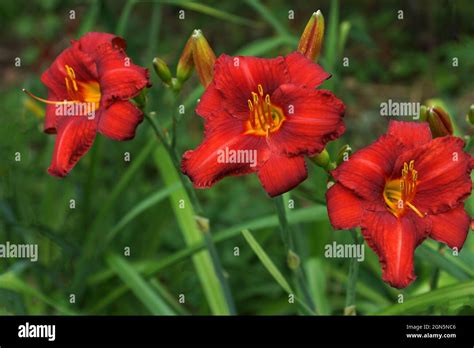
<point>264,117</point>
<point>399,193</point>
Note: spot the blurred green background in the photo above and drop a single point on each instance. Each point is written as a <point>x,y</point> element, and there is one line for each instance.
<point>121,204</point>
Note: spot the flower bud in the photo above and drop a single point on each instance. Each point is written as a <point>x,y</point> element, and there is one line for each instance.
<point>312,38</point>
<point>204,58</point>
<point>185,63</point>
<point>439,121</point>
<point>470,115</point>
<point>322,159</point>
<point>423,113</point>
<point>162,70</point>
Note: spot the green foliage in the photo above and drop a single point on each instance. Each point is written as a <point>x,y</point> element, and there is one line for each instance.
<point>134,204</point>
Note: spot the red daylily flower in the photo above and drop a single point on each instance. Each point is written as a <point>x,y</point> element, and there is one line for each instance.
<point>90,84</point>
<point>268,107</point>
<point>402,189</point>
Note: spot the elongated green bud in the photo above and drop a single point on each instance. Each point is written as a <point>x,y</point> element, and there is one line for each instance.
<point>185,64</point>
<point>439,121</point>
<point>204,58</point>
<point>470,115</point>
<point>311,40</point>
<point>322,159</point>
<point>162,70</point>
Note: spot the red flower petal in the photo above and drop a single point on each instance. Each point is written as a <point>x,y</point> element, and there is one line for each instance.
<point>410,133</point>
<point>209,162</point>
<point>89,42</point>
<point>451,227</point>
<point>119,78</point>
<point>313,118</point>
<point>237,77</point>
<point>366,170</point>
<point>344,208</point>
<point>50,115</point>
<point>443,174</point>
<point>84,69</point>
<point>280,173</point>
<point>394,240</point>
<point>75,136</point>
<point>211,102</point>
<point>119,120</point>
<point>304,72</point>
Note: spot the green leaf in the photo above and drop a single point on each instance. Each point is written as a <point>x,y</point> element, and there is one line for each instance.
<point>11,282</point>
<point>462,292</point>
<point>309,214</point>
<point>362,289</point>
<point>124,16</point>
<point>210,11</point>
<point>260,47</point>
<point>184,212</point>
<point>154,30</point>
<point>274,271</point>
<point>154,303</point>
<point>266,261</point>
<point>90,18</point>
<point>168,297</point>
<point>318,284</point>
<point>313,213</point>
<point>139,208</point>
<point>277,25</point>
<point>425,252</point>
<point>344,29</point>
<point>95,241</point>
<point>331,43</point>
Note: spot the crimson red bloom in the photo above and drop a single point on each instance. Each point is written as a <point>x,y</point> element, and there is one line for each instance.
<point>402,189</point>
<point>267,110</point>
<point>90,84</point>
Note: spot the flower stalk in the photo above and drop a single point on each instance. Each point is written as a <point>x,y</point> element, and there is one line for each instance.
<point>293,260</point>
<point>350,307</point>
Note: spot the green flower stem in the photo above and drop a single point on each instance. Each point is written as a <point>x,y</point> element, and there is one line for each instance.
<point>175,121</point>
<point>292,257</point>
<point>352,281</point>
<point>175,159</point>
<point>214,257</point>
<point>211,246</point>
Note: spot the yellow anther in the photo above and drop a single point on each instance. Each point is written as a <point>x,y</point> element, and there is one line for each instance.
<point>255,97</point>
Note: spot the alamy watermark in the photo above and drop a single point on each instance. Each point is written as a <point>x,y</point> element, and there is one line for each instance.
<point>345,251</point>
<point>402,109</point>
<point>85,109</point>
<point>21,251</point>
<point>237,156</point>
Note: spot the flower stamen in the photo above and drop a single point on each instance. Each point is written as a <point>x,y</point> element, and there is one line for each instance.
<point>264,117</point>
<point>78,92</point>
<point>399,193</point>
